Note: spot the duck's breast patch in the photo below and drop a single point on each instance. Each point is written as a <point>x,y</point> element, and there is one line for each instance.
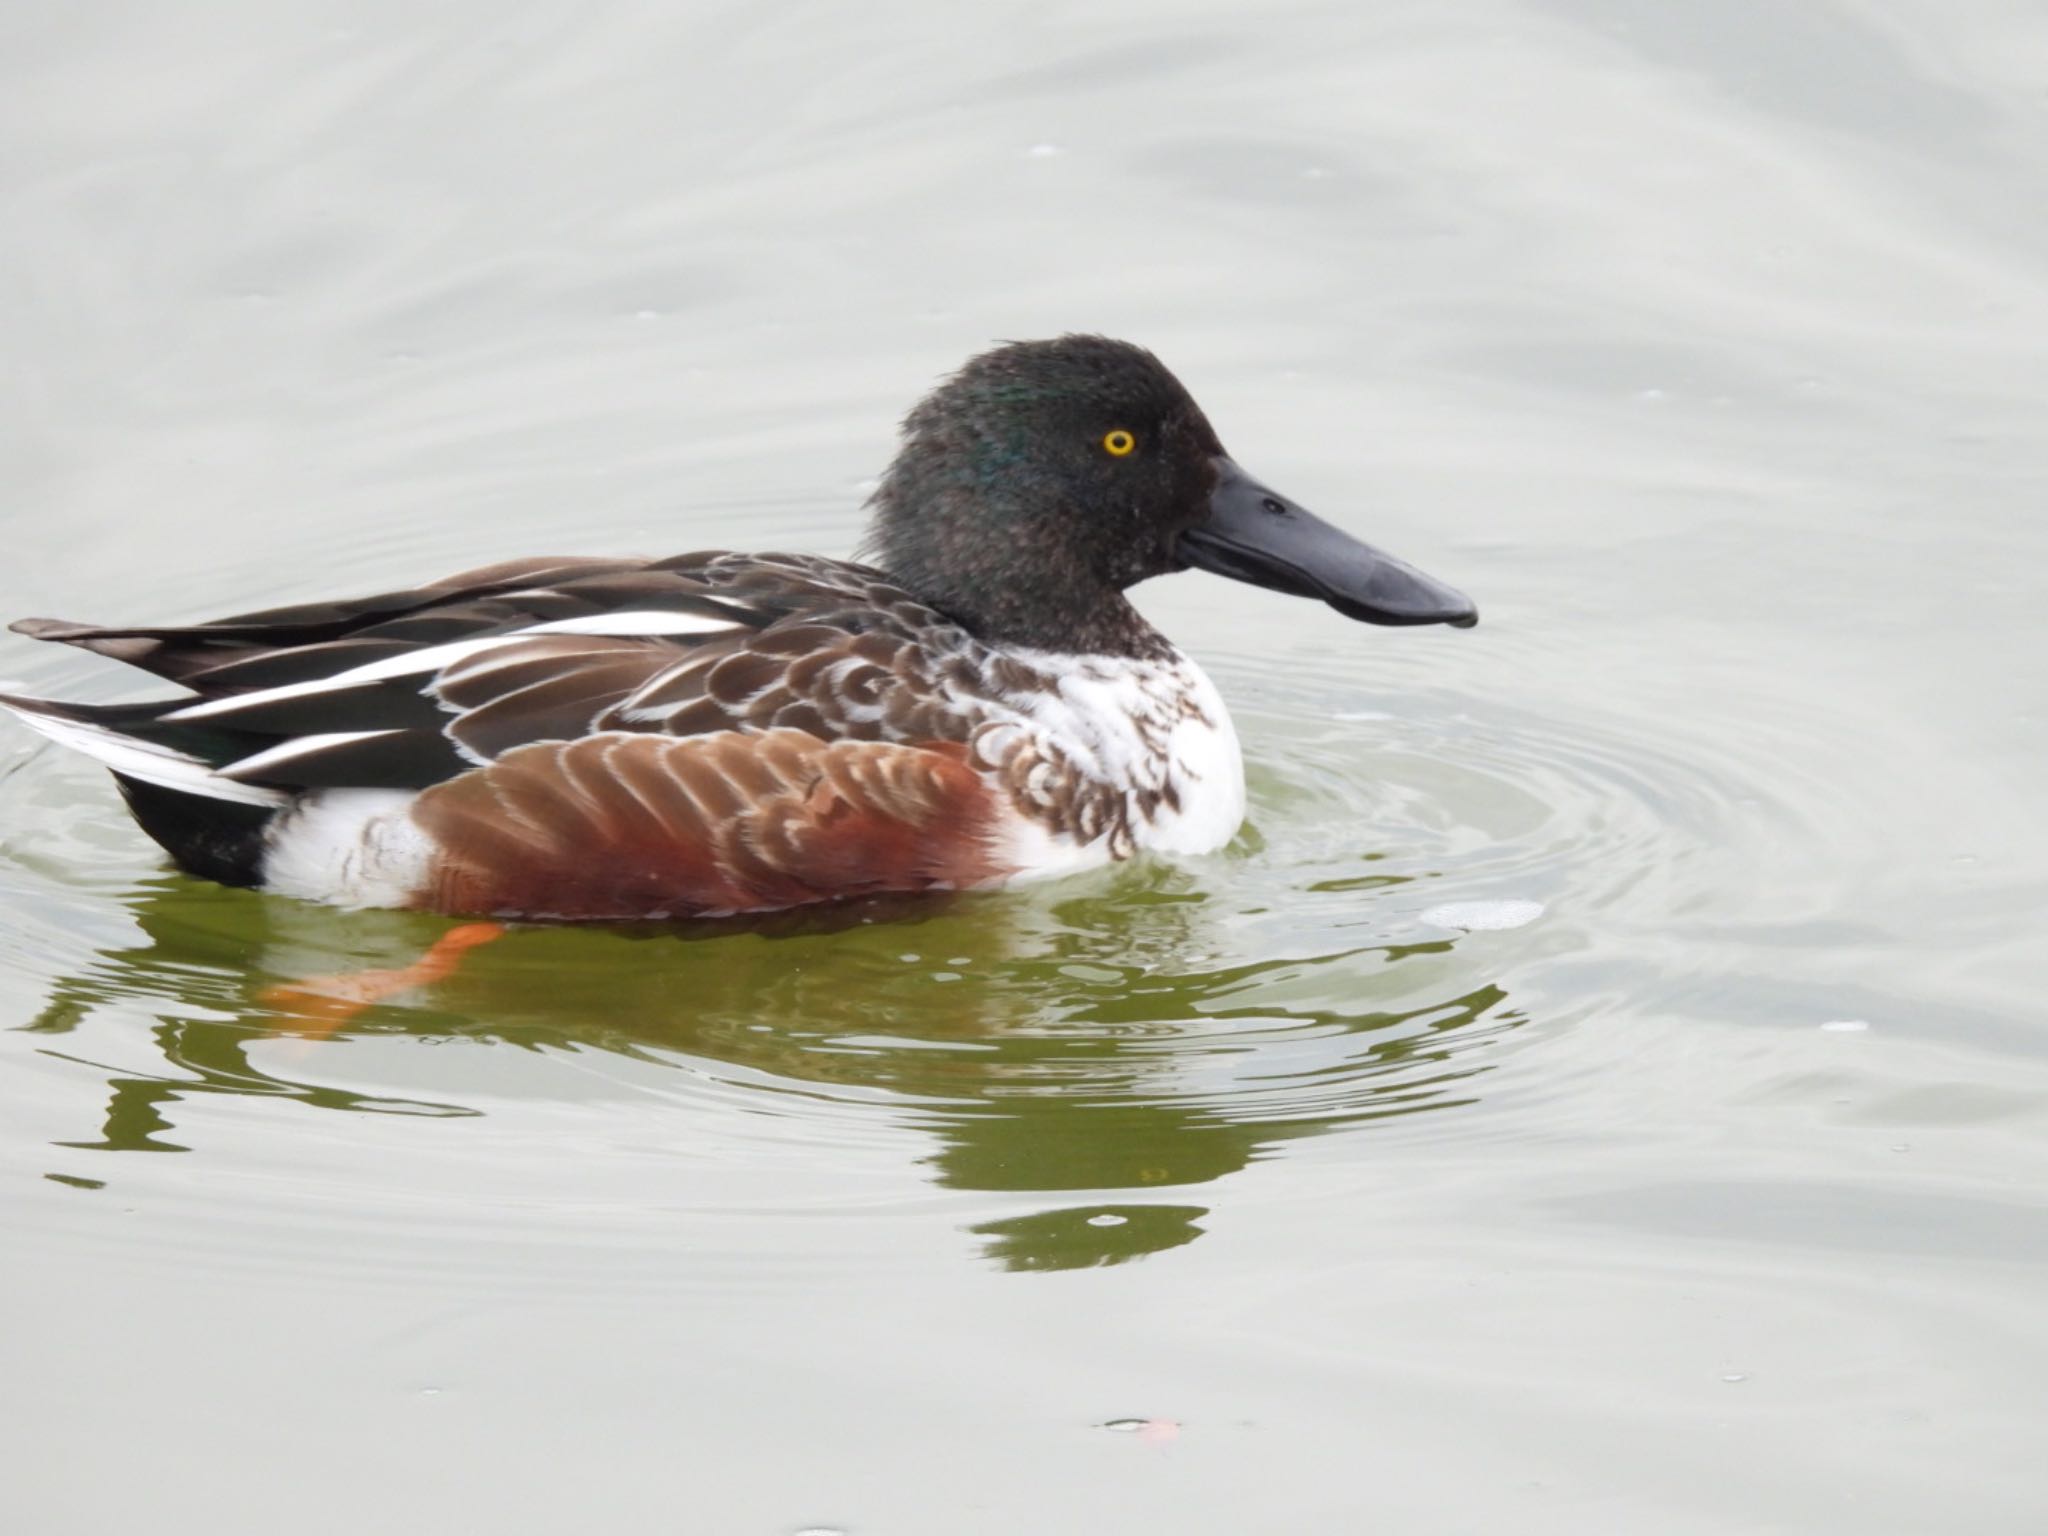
<point>1102,756</point>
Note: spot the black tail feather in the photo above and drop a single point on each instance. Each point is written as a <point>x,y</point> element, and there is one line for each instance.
<point>215,839</point>
<point>155,652</point>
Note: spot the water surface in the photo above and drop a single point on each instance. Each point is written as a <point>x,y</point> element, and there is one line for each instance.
<point>1603,1087</point>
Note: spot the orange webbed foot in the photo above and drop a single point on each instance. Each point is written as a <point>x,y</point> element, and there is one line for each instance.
<point>316,1006</point>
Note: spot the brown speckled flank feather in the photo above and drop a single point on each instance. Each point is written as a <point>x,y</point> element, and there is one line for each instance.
<point>647,826</point>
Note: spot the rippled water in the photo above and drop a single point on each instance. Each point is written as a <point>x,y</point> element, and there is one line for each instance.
<point>1602,1088</point>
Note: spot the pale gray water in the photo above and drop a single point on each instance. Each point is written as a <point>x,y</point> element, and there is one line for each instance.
<point>1706,345</point>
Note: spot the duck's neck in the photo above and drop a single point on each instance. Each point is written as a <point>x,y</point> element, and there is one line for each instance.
<point>1006,589</point>
<point>1070,621</point>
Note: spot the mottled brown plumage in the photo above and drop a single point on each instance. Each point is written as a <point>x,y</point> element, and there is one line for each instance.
<point>620,826</point>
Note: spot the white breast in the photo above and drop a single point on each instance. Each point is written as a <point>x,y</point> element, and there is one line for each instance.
<point>1154,732</point>
<point>1205,765</point>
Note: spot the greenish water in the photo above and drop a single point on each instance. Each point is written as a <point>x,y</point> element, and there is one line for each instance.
<point>1711,1196</point>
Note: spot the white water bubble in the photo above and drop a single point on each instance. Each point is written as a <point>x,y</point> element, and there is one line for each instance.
<point>1487,916</point>
<point>1107,1219</point>
<point>1846,1026</point>
<point>1151,1431</point>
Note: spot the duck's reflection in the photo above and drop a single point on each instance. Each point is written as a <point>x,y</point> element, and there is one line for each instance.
<point>1095,1044</point>
<point>1082,1237</point>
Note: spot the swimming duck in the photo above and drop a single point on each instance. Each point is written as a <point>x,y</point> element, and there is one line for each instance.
<point>973,702</point>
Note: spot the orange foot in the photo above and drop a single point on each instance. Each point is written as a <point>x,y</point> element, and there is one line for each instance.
<point>317,1006</point>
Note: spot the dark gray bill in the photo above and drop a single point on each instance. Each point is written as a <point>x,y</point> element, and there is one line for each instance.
<point>1257,536</point>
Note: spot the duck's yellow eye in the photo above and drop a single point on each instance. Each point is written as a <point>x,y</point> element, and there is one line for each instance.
<point>1119,442</point>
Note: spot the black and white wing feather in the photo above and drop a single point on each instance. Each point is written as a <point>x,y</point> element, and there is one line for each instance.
<point>404,690</point>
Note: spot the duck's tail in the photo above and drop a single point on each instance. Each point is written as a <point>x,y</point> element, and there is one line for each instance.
<point>122,645</point>
<point>213,826</point>
<point>133,740</point>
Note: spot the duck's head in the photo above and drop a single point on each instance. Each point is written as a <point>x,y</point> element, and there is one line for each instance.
<point>1045,477</point>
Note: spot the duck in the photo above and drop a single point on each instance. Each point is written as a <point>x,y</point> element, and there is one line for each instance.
<point>971,702</point>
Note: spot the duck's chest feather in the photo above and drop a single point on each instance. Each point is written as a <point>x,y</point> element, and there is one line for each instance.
<point>1099,757</point>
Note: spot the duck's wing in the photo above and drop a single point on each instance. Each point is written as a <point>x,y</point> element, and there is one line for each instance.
<point>406,690</point>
